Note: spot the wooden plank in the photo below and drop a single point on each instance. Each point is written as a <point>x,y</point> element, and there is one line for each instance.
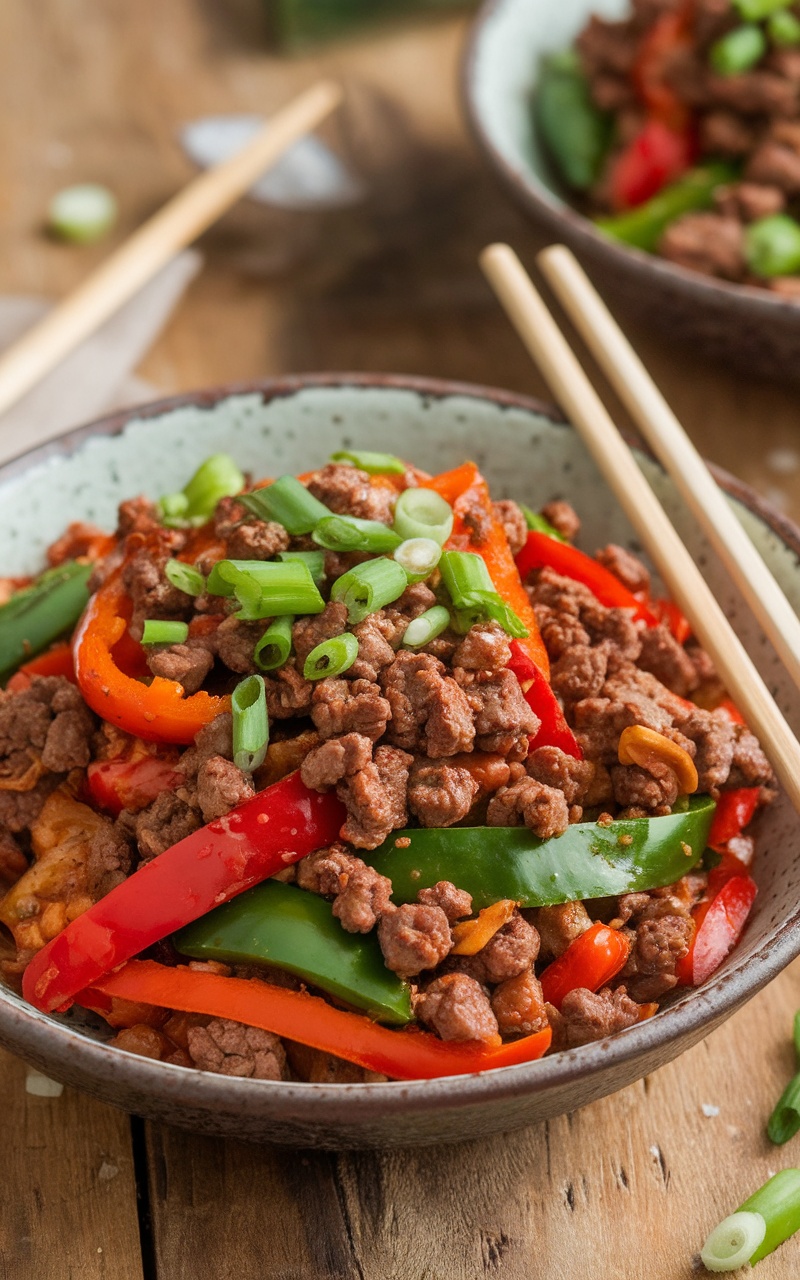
<point>69,1200</point>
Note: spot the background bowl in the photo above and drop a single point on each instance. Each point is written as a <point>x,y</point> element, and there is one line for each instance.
<point>731,322</point>
<point>527,453</point>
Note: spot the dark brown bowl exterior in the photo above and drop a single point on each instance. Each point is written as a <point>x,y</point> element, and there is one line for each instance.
<point>392,1114</point>
<point>738,325</point>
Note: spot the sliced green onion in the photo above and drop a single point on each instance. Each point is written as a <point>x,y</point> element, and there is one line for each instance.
<point>218,477</point>
<point>784,1122</point>
<point>419,557</point>
<point>174,508</point>
<point>473,594</point>
<point>423,513</point>
<point>332,657</point>
<point>733,1242</point>
<point>266,588</point>
<point>289,502</point>
<point>426,627</point>
<point>250,723</point>
<point>772,245</point>
<point>314,559</point>
<point>375,464</point>
<point>784,29</point>
<point>538,523</point>
<point>778,1202</point>
<point>368,587</point>
<point>796,1036</point>
<point>185,577</point>
<point>348,533</point>
<point>758,10</point>
<point>36,616</point>
<point>275,645</point>
<point>738,50</point>
<point>157,631</point>
<point>83,213</point>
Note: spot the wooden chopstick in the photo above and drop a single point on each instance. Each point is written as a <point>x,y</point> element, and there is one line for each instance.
<point>686,584</point>
<point>678,456</point>
<point>181,220</point>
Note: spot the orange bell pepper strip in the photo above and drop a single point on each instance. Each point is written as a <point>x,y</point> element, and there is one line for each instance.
<point>158,712</point>
<point>471,936</point>
<point>468,494</point>
<point>57,661</point>
<point>590,961</point>
<point>404,1055</point>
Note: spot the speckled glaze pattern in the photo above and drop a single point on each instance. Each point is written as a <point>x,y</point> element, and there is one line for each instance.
<point>729,322</point>
<point>527,453</point>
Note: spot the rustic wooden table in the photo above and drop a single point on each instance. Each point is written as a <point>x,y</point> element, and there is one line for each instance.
<point>625,1188</point>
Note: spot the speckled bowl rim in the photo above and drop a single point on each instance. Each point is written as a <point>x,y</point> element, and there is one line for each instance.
<point>533,197</point>
<point>49,1041</point>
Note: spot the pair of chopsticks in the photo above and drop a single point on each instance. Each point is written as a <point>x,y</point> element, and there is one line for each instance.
<point>661,429</point>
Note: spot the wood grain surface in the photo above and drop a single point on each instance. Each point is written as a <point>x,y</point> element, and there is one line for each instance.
<point>626,1188</point>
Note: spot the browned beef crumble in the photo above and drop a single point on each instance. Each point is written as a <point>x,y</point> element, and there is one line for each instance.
<point>457,1007</point>
<point>232,1049</point>
<point>586,1016</point>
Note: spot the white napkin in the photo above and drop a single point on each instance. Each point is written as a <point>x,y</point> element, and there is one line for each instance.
<point>96,377</point>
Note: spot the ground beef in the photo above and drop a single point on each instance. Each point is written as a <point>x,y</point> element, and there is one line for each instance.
<point>503,719</point>
<point>667,660</point>
<point>221,787</point>
<point>479,522</point>
<point>750,767</point>
<point>375,798</point>
<point>714,739</point>
<point>137,515</point>
<point>256,540</point>
<point>456,1007</point>
<point>45,727</point>
<point>235,643</point>
<point>558,926</point>
<point>707,242</point>
<point>414,937</point>
<point>335,759</point>
<point>233,1049</point>
<point>214,739</point>
<point>288,694</point>
<point>307,633</point>
<point>658,945</point>
<point>563,518</point>
<point>515,526</point>
<point>361,894</point>
<point>151,592</point>
<point>395,617</point>
<point>374,647</point>
<point>109,861</point>
<point>355,706</point>
<point>580,672</point>
<point>754,93</point>
<point>776,162</point>
<point>554,768</point>
<point>13,862</point>
<point>586,1016</point>
<point>485,647</point>
<point>163,823</point>
<point>18,809</point>
<point>625,566</point>
<point>455,903</point>
<point>188,664</point>
<point>430,713</point>
<point>565,606</point>
<point>347,491</point>
<point>511,951</point>
<point>440,793</point>
<point>653,790</point>
<point>518,1005</point>
<point>749,201</point>
<point>531,804</point>
<point>726,134</point>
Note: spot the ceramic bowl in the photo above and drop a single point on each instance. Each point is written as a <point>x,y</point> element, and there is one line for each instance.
<point>739,324</point>
<point>527,453</point>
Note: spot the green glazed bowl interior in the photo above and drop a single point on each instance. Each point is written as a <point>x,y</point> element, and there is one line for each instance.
<point>526,453</point>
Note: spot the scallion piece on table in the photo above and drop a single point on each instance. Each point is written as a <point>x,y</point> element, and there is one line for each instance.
<point>375,464</point>
<point>473,594</point>
<point>275,645</point>
<point>368,587</point>
<point>266,588</point>
<point>348,533</point>
<point>538,523</point>
<point>784,1122</point>
<point>314,559</point>
<point>250,723</point>
<point>159,631</point>
<point>419,557</point>
<point>83,213</point>
<point>423,513</point>
<point>218,477</point>
<point>185,577</point>
<point>37,615</point>
<point>738,50</point>
<point>783,29</point>
<point>772,245</point>
<point>430,624</point>
<point>289,503</point>
<point>331,657</point>
<point>758,10</point>
<point>739,1239</point>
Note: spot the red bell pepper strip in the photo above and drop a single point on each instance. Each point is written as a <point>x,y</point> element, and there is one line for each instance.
<point>731,711</point>
<point>671,616</point>
<point>157,712</point>
<point>277,827</point>
<point>55,662</point>
<point>719,923</point>
<point>131,783</point>
<point>658,154</point>
<point>542,552</point>
<point>590,961</point>
<point>669,34</point>
<point>735,809</point>
<point>553,729</point>
<point>405,1055</point>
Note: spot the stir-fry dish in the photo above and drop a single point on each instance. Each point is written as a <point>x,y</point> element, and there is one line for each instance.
<point>361,775</point>
<point>679,129</point>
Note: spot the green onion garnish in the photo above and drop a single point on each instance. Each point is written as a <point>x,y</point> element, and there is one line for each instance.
<point>538,523</point>
<point>250,723</point>
<point>289,502</point>
<point>368,587</point>
<point>784,1122</point>
<point>332,657</point>
<point>375,464</point>
<point>185,577</point>
<point>784,29</point>
<point>757,10</point>
<point>423,513</point>
<point>83,213</point>
<point>275,645</point>
<point>266,588</point>
<point>419,557</point>
<point>772,245</point>
<point>740,1238</point>
<point>157,631</point>
<point>36,616</point>
<point>314,559</point>
<point>738,50</point>
<point>473,594</point>
<point>426,627</point>
<point>348,533</point>
<point>217,477</point>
